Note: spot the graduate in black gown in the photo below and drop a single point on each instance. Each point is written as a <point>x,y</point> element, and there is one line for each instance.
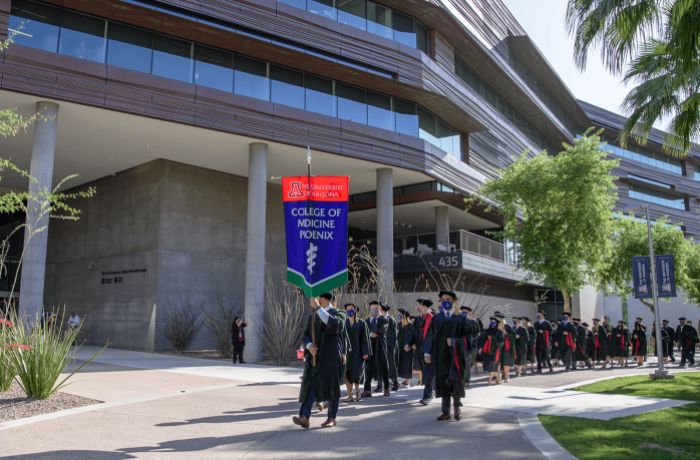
<point>508,352</point>
<point>419,336</point>
<point>521,341</point>
<point>566,340</point>
<point>321,380</point>
<point>544,342</point>
<point>664,342</point>
<point>446,344</point>
<point>392,333</point>
<point>357,354</point>
<point>671,340</point>
<point>600,341</point>
<point>689,338</point>
<point>382,368</point>
<point>639,342</point>
<point>476,329</point>
<point>590,343</point>
<point>581,353</point>
<point>405,368</point>
<point>532,334</point>
<point>621,340</point>
<point>490,346</point>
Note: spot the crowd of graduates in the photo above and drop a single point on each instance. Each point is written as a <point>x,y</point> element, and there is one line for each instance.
<point>445,344</point>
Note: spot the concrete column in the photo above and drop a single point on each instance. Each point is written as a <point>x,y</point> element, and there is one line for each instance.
<point>255,251</point>
<point>442,227</point>
<point>31,298</point>
<point>385,230</point>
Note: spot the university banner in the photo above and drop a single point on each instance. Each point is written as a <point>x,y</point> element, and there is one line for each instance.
<point>316,220</point>
<point>665,277</point>
<point>641,277</point>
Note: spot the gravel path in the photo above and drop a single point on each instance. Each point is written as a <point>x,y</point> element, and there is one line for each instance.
<point>15,405</point>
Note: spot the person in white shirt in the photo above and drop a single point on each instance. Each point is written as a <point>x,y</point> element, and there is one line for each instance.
<point>74,320</point>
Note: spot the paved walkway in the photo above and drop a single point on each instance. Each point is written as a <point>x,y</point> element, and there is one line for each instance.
<point>160,405</point>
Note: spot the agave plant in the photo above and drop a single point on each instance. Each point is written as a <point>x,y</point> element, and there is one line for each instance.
<point>7,369</point>
<point>40,354</point>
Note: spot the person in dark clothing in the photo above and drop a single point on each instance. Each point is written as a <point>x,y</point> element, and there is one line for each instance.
<point>590,343</point>
<point>419,337</point>
<point>621,340</point>
<point>664,342</point>
<point>601,342</point>
<point>544,342</point>
<point>405,368</point>
<point>521,342</point>
<point>689,338</point>
<point>238,338</point>
<point>639,342</point>
<point>566,340</point>
<point>358,353</point>
<point>508,352</point>
<point>490,346</point>
<point>532,336</point>
<point>679,331</point>
<point>391,334</point>
<point>476,328</point>
<point>580,354</point>
<point>556,348</point>
<point>322,375</point>
<point>671,340</point>
<point>441,348</point>
<point>378,326</point>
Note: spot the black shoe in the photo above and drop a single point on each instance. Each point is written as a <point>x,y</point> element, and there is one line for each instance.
<point>395,387</point>
<point>425,401</point>
<point>378,390</point>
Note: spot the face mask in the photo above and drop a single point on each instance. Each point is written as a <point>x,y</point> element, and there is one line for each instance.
<point>539,318</point>
<point>351,313</point>
<point>464,313</point>
<point>374,312</point>
<point>565,320</point>
<point>446,305</point>
<point>493,323</point>
<point>440,308</point>
<point>515,323</point>
<point>400,317</point>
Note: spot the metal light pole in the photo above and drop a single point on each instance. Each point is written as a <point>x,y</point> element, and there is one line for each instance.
<point>660,373</point>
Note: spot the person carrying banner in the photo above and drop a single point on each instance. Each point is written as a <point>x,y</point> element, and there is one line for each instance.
<point>566,339</point>
<point>419,336</point>
<point>441,349</point>
<point>521,342</point>
<point>405,370</point>
<point>322,375</point>
<point>358,354</point>
<point>689,337</point>
<point>490,345</point>
<point>543,343</point>
<point>392,350</point>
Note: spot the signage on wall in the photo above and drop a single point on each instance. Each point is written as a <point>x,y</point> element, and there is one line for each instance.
<point>107,279</point>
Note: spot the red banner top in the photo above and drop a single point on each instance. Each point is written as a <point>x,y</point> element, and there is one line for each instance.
<point>315,188</point>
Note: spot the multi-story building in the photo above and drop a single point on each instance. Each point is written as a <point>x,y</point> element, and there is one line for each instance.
<point>180,112</point>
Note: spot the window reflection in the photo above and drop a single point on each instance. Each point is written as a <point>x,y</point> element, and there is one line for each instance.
<point>379,112</point>
<point>82,37</point>
<point>404,31</point>
<point>379,20</point>
<point>40,25</point>
<point>319,96</point>
<point>287,86</point>
<point>251,78</point>
<point>406,117</point>
<point>428,130</point>
<point>213,68</point>
<point>351,103</point>
<point>352,13</point>
<point>323,8</point>
<point>172,58</point>
<point>129,47</point>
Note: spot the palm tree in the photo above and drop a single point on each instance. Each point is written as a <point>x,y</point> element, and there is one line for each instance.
<point>653,44</point>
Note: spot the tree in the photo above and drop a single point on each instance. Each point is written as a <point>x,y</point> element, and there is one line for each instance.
<point>558,209</point>
<point>632,239</point>
<point>655,44</point>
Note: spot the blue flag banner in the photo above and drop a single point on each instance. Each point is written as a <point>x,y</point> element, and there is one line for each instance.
<point>665,277</point>
<point>641,277</point>
<point>316,221</point>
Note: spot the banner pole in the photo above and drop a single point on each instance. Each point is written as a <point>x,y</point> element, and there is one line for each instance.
<point>313,313</point>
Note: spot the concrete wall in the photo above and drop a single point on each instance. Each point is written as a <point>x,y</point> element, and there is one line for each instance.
<point>185,226</point>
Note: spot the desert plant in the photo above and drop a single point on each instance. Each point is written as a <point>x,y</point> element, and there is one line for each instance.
<point>283,320</point>
<point>218,320</point>
<point>182,321</point>
<point>7,368</point>
<point>40,354</point>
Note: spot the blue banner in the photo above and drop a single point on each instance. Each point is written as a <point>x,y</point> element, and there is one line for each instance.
<point>316,221</point>
<point>641,277</point>
<point>665,277</point>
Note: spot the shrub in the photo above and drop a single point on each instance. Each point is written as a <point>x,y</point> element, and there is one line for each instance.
<point>181,322</point>
<point>7,369</point>
<point>40,355</point>
<point>218,320</point>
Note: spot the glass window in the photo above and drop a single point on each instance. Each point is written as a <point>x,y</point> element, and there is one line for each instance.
<point>213,68</point>
<point>379,20</point>
<point>287,86</point>
<point>406,117</point>
<point>129,47</point>
<point>82,36</point>
<point>323,8</point>
<point>445,133</point>
<point>351,103</point>
<point>379,112</point>
<point>172,58</point>
<point>39,25</point>
<point>319,96</point>
<point>251,78</point>
<point>403,29</point>
<point>296,3</point>
<point>422,38</point>
<point>353,13</point>
<point>427,128</point>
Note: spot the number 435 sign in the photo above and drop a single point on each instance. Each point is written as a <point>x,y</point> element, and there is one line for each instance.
<point>450,261</point>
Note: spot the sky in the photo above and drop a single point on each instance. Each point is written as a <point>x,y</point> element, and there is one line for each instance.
<point>544,22</point>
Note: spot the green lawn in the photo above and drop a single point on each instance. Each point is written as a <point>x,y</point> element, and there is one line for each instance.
<point>665,434</point>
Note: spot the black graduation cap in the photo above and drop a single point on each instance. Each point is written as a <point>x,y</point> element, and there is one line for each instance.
<point>526,318</point>
<point>664,321</point>
<point>328,296</point>
<point>350,305</point>
<point>596,319</point>
<point>577,319</point>
<point>640,319</point>
<point>622,322</point>
<point>402,311</point>
<point>493,318</point>
<point>498,314</point>
<point>544,315</point>
<point>681,319</point>
<point>464,307</point>
<point>449,293</point>
<point>384,306</point>
<point>374,302</point>
<point>584,324</point>
<point>426,303</point>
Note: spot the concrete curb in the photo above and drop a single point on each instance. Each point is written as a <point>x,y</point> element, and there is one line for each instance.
<point>80,410</point>
<point>538,436</point>
<point>611,377</point>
